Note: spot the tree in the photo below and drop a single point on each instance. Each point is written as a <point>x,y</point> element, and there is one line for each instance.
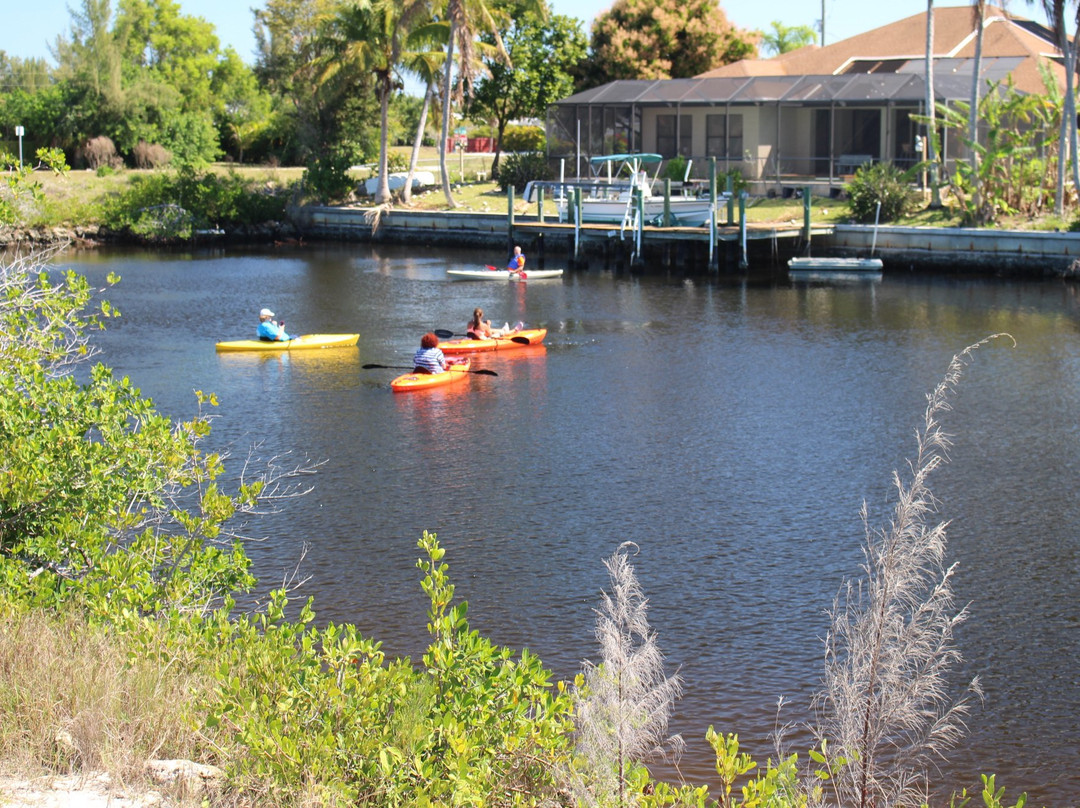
<point>1056,14</point>
<point>424,59</point>
<point>783,38</point>
<point>543,57</point>
<point>329,114</point>
<point>467,18</point>
<point>663,39</point>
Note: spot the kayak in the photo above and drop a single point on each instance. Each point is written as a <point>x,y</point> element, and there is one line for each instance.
<point>503,274</point>
<point>519,339</point>
<point>422,381</point>
<point>306,342</point>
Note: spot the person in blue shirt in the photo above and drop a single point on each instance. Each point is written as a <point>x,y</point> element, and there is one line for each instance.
<point>269,331</point>
<point>429,358</point>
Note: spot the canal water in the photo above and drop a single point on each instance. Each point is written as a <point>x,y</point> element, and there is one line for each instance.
<point>730,427</point>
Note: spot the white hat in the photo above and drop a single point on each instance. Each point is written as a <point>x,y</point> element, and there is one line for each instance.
<point>266,313</point>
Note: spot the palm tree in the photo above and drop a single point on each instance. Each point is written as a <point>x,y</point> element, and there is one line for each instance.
<point>464,17</point>
<point>371,33</point>
<point>425,60</point>
<point>1055,11</point>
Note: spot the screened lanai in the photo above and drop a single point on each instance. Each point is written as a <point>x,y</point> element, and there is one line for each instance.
<point>776,131</point>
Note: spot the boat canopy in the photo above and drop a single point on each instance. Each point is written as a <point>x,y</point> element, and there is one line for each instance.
<point>625,158</point>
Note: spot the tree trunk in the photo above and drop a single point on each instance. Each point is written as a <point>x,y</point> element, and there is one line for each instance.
<point>447,79</point>
<point>1070,104</point>
<point>973,119</point>
<point>1058,22</point>
<point>382,195</point>
<point>930,153</point>
<point>414,158</point>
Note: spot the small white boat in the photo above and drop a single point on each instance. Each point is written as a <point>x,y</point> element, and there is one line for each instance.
<point>503,274</point>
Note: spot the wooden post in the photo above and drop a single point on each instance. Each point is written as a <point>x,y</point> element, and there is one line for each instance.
<point>510,218</point>
<point>743,261</point>
<point>806,213</point>
<point>730,187</point>
<point>540,204</point>
<point>666,221</point>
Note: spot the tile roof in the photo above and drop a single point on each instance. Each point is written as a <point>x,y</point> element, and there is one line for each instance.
<point>898,46</point>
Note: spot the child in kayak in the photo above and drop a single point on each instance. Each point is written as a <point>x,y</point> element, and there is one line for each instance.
<point>269,331</point>
<point>429,358</point>
<point>479,328</point>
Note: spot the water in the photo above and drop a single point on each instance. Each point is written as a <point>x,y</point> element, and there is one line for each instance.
<point>730,428</point>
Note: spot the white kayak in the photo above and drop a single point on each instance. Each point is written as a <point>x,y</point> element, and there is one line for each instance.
<point>503,274</point>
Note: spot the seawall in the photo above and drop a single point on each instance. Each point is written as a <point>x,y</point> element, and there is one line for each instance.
<point>1034,254</point>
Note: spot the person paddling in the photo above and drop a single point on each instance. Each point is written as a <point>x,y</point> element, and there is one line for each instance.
<point>269,331</point>
<point>479,328</point>
<point>517,262</point>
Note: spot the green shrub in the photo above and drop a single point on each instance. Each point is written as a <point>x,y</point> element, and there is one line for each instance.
<point>519,169</point>
<point>884,183</point>
<point>171,204</point>
<point>327,179</point>
<point>523,139</point>
<point>675,169</point>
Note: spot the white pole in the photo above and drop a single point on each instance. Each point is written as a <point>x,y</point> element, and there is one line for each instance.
<point>873,241</point>
<point>20,131</point>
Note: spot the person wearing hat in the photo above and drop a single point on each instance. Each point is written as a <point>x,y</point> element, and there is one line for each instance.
<point>269,331</point>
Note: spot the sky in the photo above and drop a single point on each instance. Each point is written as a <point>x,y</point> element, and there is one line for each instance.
<point>31,27</point>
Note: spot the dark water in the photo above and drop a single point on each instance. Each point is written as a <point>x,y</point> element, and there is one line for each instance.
<point>730,428</point>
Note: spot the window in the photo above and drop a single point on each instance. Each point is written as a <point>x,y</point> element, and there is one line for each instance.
<point>667,132</point>
<point>724,136</point>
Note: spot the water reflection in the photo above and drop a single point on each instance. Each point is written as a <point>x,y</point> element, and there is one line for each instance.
<point>730,427</point>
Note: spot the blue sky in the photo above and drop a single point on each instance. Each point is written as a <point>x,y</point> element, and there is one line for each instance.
<point>30,27</point>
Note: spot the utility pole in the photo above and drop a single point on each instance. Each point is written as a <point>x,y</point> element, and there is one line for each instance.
<point>823,23</point>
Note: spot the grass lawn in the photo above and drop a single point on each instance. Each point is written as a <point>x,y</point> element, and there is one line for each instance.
<point>72,198</point>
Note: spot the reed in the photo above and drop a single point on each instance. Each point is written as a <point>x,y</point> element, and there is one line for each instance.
<point>622,708</point>
<point>884,712</point>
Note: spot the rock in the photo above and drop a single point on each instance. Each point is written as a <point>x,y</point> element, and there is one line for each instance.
<point>167,772</point>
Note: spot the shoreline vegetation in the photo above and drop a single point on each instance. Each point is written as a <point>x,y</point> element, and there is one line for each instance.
<point>121,644</point>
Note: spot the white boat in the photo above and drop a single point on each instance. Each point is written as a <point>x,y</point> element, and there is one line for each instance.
<point>503,274</point>
<point>609,199</point>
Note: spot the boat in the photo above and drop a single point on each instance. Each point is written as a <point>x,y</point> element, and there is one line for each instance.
<point>811,269</point>
<point>307,342</point>
<point>422,381</point>
<point>518,339</point>
<point>494,274</point>
<point>610,200</point>
<point>839,268</point>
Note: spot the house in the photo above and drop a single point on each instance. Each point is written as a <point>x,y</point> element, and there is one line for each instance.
<point>810,116</point>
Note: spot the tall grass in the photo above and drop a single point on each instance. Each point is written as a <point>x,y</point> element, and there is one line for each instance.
<point>79,697</point>
<point>885,710</point>
<point>622,710</point>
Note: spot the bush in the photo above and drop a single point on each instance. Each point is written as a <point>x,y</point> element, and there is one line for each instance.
<point>675,169</point>
<point>327,177</point>
<point>884,183</point>
<point>519,169</point>
<point>150,155</point>
<point>99,151</point>
<point>523,139</point>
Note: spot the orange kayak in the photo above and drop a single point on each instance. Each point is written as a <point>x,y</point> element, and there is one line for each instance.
<point>422,381</point>
<point>520,339</point>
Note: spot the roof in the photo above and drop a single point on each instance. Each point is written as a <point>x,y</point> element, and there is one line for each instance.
<point>953,82</point>
<point>901,47</point>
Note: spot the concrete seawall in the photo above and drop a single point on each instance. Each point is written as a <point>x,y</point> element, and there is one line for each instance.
<point>965,250</point>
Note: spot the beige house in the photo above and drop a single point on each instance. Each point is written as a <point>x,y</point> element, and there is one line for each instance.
<point>808,116</point>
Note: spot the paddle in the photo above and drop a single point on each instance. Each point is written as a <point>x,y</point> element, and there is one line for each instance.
<point>444,334</point>
<point>403,367</point>
<point>496,269</point>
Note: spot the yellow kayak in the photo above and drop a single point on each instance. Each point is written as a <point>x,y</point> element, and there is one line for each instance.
<point>307,342</point>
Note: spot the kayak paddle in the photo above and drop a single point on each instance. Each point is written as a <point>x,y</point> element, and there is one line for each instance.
<point>403,367</point>
<point>444,334</point>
